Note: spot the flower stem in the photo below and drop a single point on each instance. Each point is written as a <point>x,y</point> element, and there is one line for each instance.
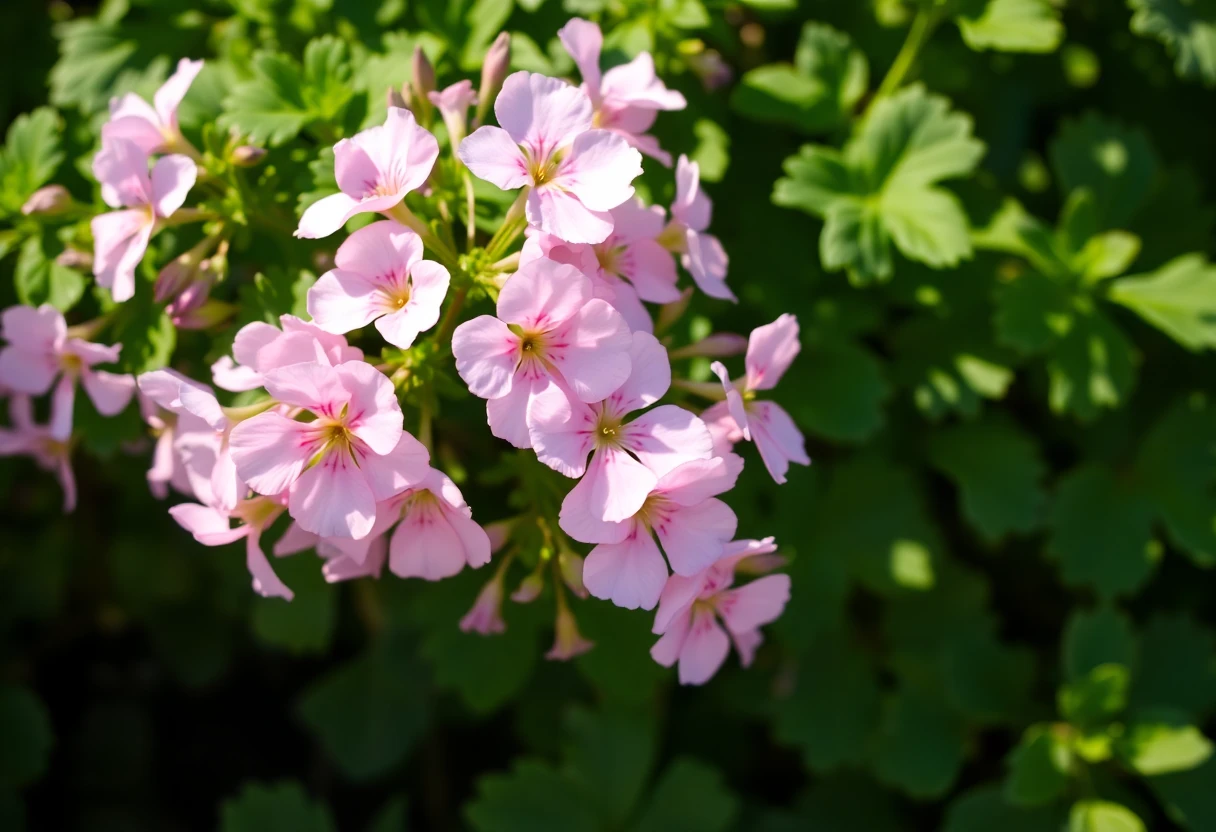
<point>449,318</point>
<point>470,206</point>
<point>513,223</point>
<point>506,264</point>
<point>923,26</point>
<point>704,389</point>
<point>408,218</point>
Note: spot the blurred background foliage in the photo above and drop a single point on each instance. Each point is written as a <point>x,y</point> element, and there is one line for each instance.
<point>1004,606</point>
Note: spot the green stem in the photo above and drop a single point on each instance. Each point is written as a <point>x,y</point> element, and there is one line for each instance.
<point>923,26</point>
<point>470,206</point>
<point>425,433</point>
<point>408,218</point>
<point>514,222</point>
<point>449,318</point>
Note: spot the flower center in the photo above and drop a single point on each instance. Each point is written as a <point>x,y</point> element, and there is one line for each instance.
<point>70,362</point>
<point>609,256</point>
<point>607,431</point>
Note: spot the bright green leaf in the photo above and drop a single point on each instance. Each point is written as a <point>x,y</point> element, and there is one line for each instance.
<point>1179,299</point>
<point>1011,25</point>
<point>1162,743</point>
<point>1100,816</point>
<point>1039,767</point>
<point>29,158</point>
<point>1096,698</point>
<point>1188,30</point>
<point>39,279</point>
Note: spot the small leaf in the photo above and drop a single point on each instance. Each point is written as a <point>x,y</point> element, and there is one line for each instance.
<point>279,807</point>
<point>1179,299</point>
<point>1038,768</point>
<point>1092,368</point>
<point>1188,30</point>
<point>39,279</point>
<point>609,755</point>
<point>983,809</point>
<point>1176,667</point>
<point>1115,163</point>
<point>1162,742</point>
<point>840,391</point>
<point>920,745</point>
<point>1011,25</point>
<point>1097,698</point>
<point>531,797</point>
<point>29,158</point>
<point>306,623</point>
<point>690,797</point>
<point>1092,638</point>
<point>26,728</point>
<point>270,108</point>
<point>1100,816</point>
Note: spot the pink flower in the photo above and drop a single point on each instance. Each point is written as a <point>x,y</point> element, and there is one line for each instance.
<point>23,437</point>
<point>380,276</point>
<point>568,642</point>
<point>485,616</point>
<point>153,129</point>
<point>627,98</point>
<point>260,347</point>
<point>576,174</point>
<point>201,433</point>
<point>212,527</point>
<point>40,350</point>
<point>770,350</point>
<point>627,458</point>
<point>338,466</point>
<point>548,328</point>
<point>168,465</point>
<point>692,525</point>
<point>453,104</point>
<point>628,267</point>
<point>375,170</point>
<point>437,535</point>
<point>345,559</point>
<point>691,608</point>
<point>701,253</point>
<point>120,238</point>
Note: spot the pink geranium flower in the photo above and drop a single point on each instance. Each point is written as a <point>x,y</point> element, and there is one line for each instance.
<point>212,527</point>
<point>453,103</point>
<point>40,350</point>
<point>380,275</point>
<point>338,466</point>
<point>770,351</point>
<point>153,128</point>
<point>436,536</point>
<point>25,438</point>
<point>627,458</point>
<point>260,347</point>
<point>701,253</point>
<point>681,510</point>
<point>691,608</point>
<point>375,169</point>
<point>485,616</point>
<point>169,427</point>
<point>345,559</point>
<point>576,174</point>
<point>627,98</point>
<point>549,328</point>
<point>120,238</point>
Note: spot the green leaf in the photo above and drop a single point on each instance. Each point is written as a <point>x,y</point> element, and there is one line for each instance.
<point>690,797</point>
<point>1011,25</point>
<point>1115,163</point>
<point>531,797</point>
<point>146,332</point>
<point>712,153</point>
<point>306,623</point>
<point>983,809</point>
<point>999,475</point>
<point>26,728</point>
<point>369,712</point>
<point>279,807</point>
<point>29,158</point>
<point>830,722</point>
<point>1038,768</point>
<point>1188,796</point>
<point>1092,367</point>
<point>1100,816</point>
<point>987,680</point>
<point>1188,30</point>
<point>39,279</point>
<point>609,755</point>
<point>1101,531</point>
<point>620,666</point>
<point>817,93</point>
<point>840,391</point>
<point>882,187</point>
<point>1092,638</point>
<point>1179,299</point>
<point>1177,667</point>
<point>1162,742</point>
<point>392,817</point>
<point>1097,698</point>
<point>919,747</point>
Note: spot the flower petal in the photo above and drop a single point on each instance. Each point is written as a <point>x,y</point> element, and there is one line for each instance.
<point>560,429</point>
<point>666,651</point>
<point>109,392</point>
<point>374,414</point>
<point>705,649</point>
<point>333,499</point>
<point>405,466</point>
<point>491,154</point>
<point>425,545</point>
<point>486,354</point>
<point>270,451</point>
<point>649,376</point>
<point>630,574</point>
<point>734,400</point>
<point>122,169</point>
<point>665,437</point>
<point>777,439</point>
<point>678,594</point>
<point>542,295</point>
<point>169,97</point>
<point>172,178</point>
<point>770,351</point>
<point>755,604</point>
<point>618,484</point>
<point>693,536</point>
<point>560,213</point>
<point>594,360</point>
<point>599,170</point>
<point>325,216</point>
<point>706,261</point>
<point>584,41</point>
<point>542,113</point>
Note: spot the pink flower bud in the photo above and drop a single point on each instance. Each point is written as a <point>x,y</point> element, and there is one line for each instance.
<point>571,565</point>
<point>210,313</point>
<point>493,73</point>
<point>394,98</point>
<point>568,642</point>
<point>485,616</point>
<point>246,156</point>
<point>530,587</point>
<point>718,345</point>
<point>74,258</point>
<point>423,81</point>
<point>53,199</point>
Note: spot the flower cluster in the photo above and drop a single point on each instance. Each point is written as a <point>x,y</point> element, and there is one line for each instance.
<point>573,362</point>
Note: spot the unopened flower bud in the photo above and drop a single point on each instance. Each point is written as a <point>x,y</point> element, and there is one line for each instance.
<point>53,199</point>
<point>453,103</point>
<point>246,156</point>
<point>718,345</point>
<point>74,258</point>
<point>530,587</point>
<point>394,98</point>
<point>499,533</point>
<point>209,314</point>
<point>422,84</point>
<point>485,616</point>
<point>714,72</point>
<point>571,565</point>
<point>568,642</point>
<point>493,72</point>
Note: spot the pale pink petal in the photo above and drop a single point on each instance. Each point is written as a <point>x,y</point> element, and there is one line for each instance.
<point>227,375</point>
<point>327,215</point>
<point>665,437</point>
<point>200,401</point>
<point>122,170</point>
<point>636,84</point>
<point>425,545</point>
<point>633,220</point>
<point>649,376</point>
<point>251,339</point>
<point>402,152</point>
<point>678,594</point>
<point>120,240</point>
<point>473,538</point>
<point>333,499</point>
<point>342,301</point>
<point>227,487</point>
<point>201,520</point>
<point>753,605</point>
<point>294,540</point>
<point>491,154</point>
<point>746,644</point>
<point>379,250</point>
<point>777,439</point>
<point>63,401</point>
<point>561,214</point>
<point>270,451</point>
<point>734,400</point>
<point>319,388</point>
<point>617,483</point>
<point>645,143</point>
<point>33,330</point>
<point>693,536</point>
<point>67,481</point>
<point>141,132</point>
<point>770,351</point>
<point>706,261</point>
<point>666,651</point>
<point>705,649</point>
<point>292,348</point>
<point>698,480</point>
<point>584,41</point>
<point>374,414</point>
<point>131,105</point>
<point>582,519</point>
<point>405,466</point>
<point>169,97</point>
<point>542,295</point>
<point>265,582</point>
<point>164,465</point>
<point>594,359</point>
<point>486,353</point>
<point>172,178</point>
<point>90,353</point>
<point>507,415</point>
<point>561,430</point>
<point>624,299</point>
<point>691,206</point>
<point>630,574</point>
<point>651,269</point>
<point>542,113</point>
<point>429,285</point>
<point>109,392</point>
<point>599,170</point>
<point>27,372</point>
